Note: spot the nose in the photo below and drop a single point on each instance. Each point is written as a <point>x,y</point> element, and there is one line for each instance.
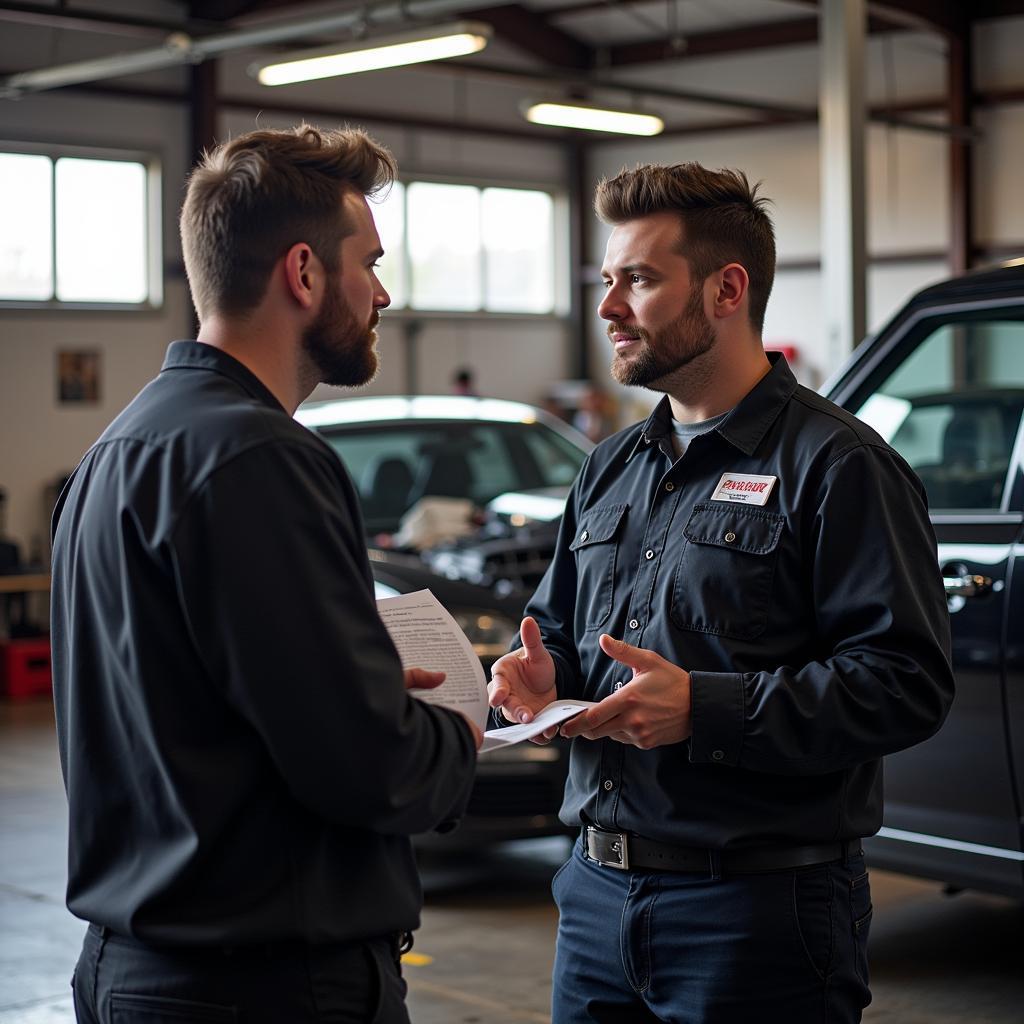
<point>381,299</point>
<point>611,306</point>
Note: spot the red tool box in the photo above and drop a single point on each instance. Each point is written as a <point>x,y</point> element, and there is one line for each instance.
<point>25,667</point>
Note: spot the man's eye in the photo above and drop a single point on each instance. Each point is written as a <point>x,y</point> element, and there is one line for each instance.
<point>636,278</point>
<point>606,283</point>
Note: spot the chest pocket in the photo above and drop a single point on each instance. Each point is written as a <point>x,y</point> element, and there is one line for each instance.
<point>596,546</point>
<point>723,584</point>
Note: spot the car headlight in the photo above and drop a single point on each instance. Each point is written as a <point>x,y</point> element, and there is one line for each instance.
<point>490,634</point>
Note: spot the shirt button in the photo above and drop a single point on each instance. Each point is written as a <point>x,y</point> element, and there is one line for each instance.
<point>584,535</point>
<point>608,784</point>
<point>618,685</point>
<point>670,486</point>
<point>634,624</point>
<point>648,554</point>
<point>730,537</point>
<point>717,755</point>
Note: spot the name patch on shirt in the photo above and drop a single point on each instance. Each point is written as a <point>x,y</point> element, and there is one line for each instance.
<point>744,488</point>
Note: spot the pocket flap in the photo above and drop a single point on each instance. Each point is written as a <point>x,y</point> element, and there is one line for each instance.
<point>740,529</point>
<point>598,525</point>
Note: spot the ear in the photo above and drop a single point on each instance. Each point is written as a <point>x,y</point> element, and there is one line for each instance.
<point>302,274</point>
<point>731,285</point>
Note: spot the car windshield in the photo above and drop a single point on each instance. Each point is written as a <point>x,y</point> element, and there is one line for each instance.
<point>394,465</point>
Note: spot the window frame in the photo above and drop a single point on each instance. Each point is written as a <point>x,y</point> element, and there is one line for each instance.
<point>560,241</point>
<point>915,331</point>
<point>153,165</point>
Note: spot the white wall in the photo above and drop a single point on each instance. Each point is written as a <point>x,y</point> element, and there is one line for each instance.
<point>42,439</point>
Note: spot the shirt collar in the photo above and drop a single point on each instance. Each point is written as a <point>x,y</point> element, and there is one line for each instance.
<point>745,425</point>
<point>200,356</point>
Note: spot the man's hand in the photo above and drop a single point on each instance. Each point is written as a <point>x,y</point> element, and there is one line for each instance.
<point>426,679</point>
<point>523,682</point>
<point>422,678</point>
<point>651,710</point>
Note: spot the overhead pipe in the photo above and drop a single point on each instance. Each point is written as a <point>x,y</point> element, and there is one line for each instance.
<point>180,48</point>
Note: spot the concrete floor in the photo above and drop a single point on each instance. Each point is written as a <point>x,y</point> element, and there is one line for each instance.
<point>483,955</point>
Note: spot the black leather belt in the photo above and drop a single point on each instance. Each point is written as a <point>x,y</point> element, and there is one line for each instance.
<point>624,851</point>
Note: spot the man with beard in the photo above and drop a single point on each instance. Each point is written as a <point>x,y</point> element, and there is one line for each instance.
<point>747,586</point>
<point>243,760</point>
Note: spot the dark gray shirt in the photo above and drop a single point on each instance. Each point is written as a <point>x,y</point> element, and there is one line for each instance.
<point>814,624</point>
<point>242,761</point>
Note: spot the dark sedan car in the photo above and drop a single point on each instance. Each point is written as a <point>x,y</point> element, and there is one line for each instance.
<point>943,382</point>
<point>462,496</point>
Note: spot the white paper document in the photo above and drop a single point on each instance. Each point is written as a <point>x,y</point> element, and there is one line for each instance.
<point>427,636</point>
<point>556,712</point>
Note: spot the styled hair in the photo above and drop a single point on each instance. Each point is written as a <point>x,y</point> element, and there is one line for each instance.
<point>724,220</point>
<point>252,198</point>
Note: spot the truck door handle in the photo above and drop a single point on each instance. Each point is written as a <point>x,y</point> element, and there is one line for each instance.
<point>967,585</point>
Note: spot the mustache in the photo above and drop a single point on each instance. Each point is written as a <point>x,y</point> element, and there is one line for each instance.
<point>630,332</point>
<point>375,319</point>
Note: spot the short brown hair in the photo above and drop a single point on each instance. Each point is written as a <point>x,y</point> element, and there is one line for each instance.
<point>724,220</point>
<point>252,198</point>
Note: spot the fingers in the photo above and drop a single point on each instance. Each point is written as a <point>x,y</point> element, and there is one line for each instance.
<point>635,658</point>
<point>545,737</point>
<point>502,694</point>
<point>498,690</point>
<point>422,678</point>
<point>529,634</point>
<point>598,717</point>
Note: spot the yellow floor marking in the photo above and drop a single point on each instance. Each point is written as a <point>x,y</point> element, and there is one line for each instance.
<point>417,959</point>
<point>417,984</point>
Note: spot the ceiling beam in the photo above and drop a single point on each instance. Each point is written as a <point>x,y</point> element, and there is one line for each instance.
<point>103,23</point>
<point>531,32</point>
<point>947,17</point>
<point>769,35</point>
<point>984,9</point>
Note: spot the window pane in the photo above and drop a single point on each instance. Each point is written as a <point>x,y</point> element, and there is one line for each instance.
<point>444,246</point>
<point>952,409</point>
<point>101,231</point>
<point>27,225</point>
<point>389,216</point>
<point>517,227</point>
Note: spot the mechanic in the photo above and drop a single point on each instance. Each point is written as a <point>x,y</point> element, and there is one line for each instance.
<point>747,584</point>
<point>243,761</point>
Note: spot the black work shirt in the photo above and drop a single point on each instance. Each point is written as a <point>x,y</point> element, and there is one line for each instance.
<point>242,760</point>
<point>814,625</point>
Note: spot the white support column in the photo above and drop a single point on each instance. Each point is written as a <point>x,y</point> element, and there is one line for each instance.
<point>843,211</point>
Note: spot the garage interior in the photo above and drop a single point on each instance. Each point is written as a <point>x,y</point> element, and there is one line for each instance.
<point>889,136</point>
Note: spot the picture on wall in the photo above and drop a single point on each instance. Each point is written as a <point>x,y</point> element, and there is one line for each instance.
<point>78,377</point>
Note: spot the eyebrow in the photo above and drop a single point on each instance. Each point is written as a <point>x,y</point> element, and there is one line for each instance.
<point>633,268</point>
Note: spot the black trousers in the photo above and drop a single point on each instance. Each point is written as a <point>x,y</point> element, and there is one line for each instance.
<point>121,981</point>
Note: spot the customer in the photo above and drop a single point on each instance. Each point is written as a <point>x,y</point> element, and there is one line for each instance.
<point>244,765</point>
<point>747,585</point>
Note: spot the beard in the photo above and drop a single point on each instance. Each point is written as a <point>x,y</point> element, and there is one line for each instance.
<point>339,346</point>
<point>668,350</point>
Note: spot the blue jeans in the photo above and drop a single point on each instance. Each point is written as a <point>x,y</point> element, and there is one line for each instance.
<point>647,946</point>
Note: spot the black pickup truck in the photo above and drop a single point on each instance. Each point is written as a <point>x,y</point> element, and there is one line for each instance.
<point>943,382</point>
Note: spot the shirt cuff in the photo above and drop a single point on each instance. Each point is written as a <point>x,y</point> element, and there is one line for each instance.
<point>717,716</point>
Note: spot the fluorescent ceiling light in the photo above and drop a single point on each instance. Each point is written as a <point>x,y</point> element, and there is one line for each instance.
<point>433,42</point>
<point>594,119</point>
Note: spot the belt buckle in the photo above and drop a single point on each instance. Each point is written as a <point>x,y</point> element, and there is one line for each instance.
<point>618,843</point>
